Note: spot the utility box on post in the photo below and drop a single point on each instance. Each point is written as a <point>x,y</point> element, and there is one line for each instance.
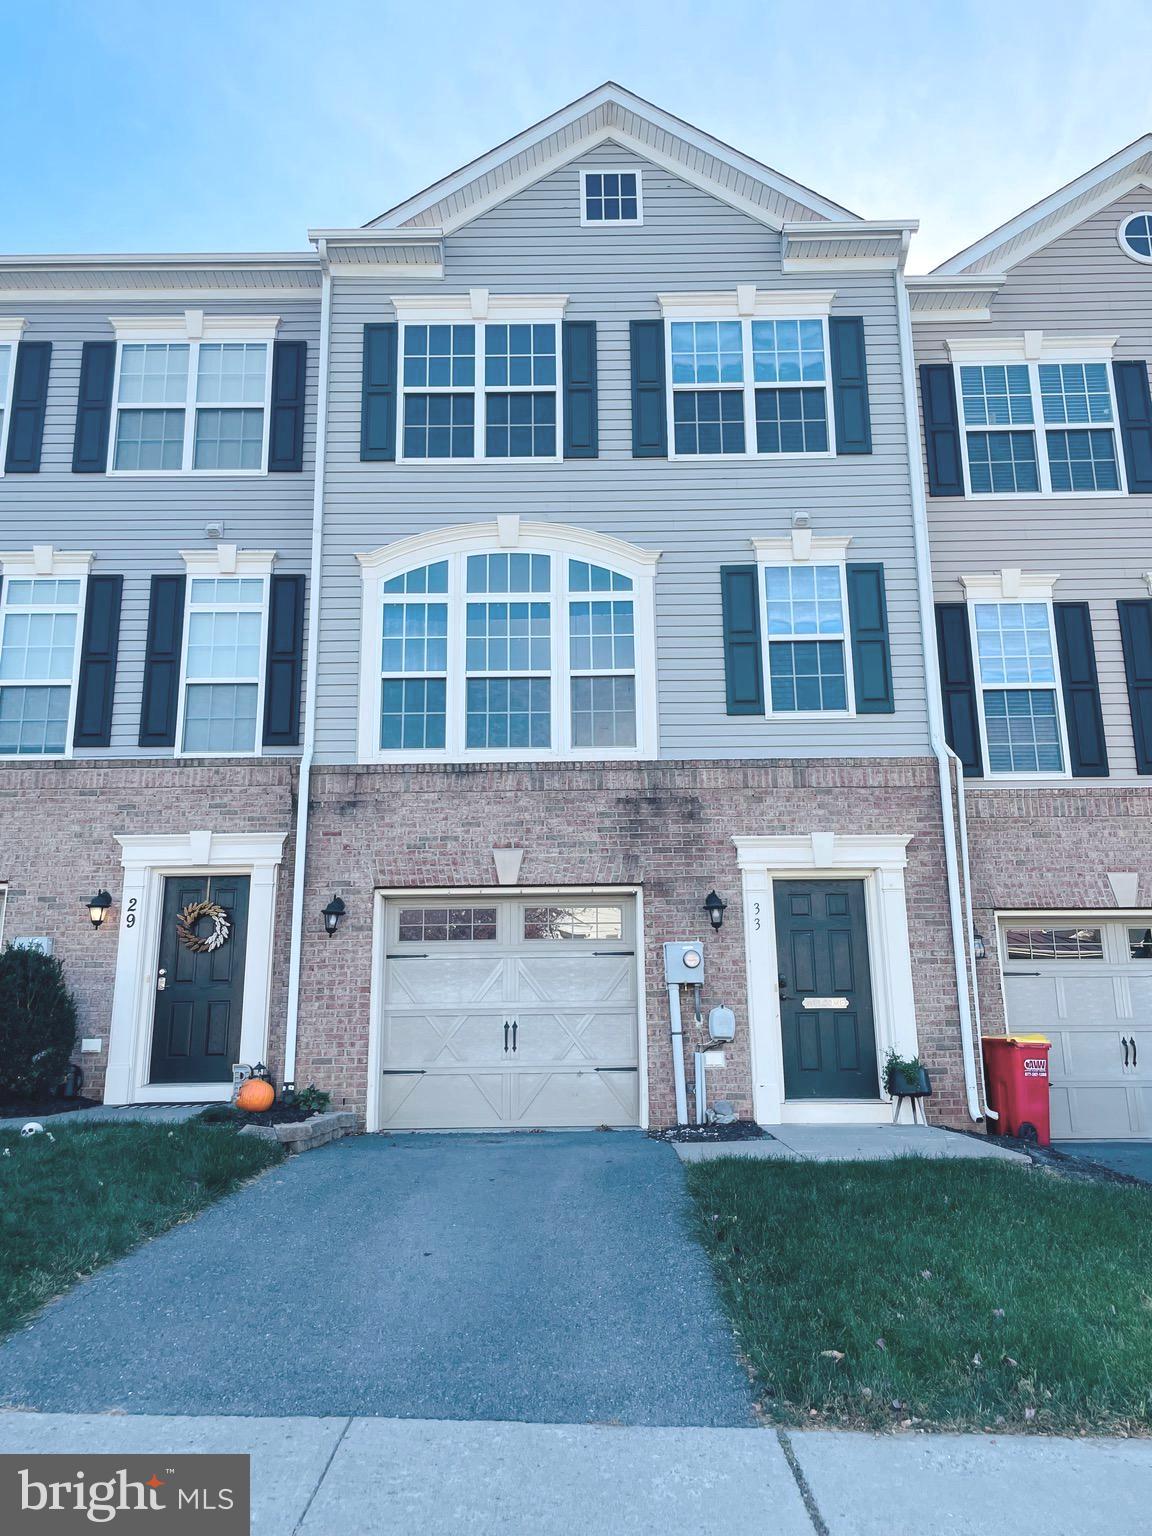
<point>684,963</point>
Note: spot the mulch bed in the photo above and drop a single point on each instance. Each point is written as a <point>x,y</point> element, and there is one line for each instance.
<point>279,1114</point>
<point>38,1109</point>
<point>739,1130</point>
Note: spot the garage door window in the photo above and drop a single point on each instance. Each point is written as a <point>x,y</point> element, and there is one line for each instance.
<point>451,925</point>
<point>1140,943</point>
<point>577,922</point>
<point>1054,944</point>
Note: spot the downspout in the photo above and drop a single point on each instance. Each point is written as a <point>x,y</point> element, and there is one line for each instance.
<point>957,902</point>
<point>313,657</point>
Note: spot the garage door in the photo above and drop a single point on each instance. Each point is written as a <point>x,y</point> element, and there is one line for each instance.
<point>1088,988</point>
<point>510,1013</point>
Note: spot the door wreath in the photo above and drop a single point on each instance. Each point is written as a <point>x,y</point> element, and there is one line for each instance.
<point>190,917</point>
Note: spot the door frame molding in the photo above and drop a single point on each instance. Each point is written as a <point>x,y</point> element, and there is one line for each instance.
<point>879,862</point>
<point>383,895</point>
<point>147,861</point>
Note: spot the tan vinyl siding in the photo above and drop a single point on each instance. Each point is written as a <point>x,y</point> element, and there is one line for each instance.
<point>700,515</point>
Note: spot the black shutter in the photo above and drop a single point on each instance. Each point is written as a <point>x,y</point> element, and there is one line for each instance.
<point>1081,688</point>
<point>1134,403</point>
<point>285,667</point>
<point>286,429</point>
<point>941,430</point>
<point>98,646</point>
<point>580,413</point>
<point>958,683</point>
<point>743,655</point>
<point>378,394</point>
<point>850,384</point>
<point>871,653</point>
<point>94,408</point>
<point>649,405</point>
<point>1136,638</point>
<point>158,704</point>
<point>29,401</point>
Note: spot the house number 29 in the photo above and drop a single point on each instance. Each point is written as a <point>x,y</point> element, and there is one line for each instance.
<point>130,914</point>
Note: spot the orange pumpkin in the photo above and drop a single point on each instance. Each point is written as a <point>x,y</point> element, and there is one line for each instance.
<point>255,1094</point>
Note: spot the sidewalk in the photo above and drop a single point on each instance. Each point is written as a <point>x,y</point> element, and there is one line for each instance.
<point>383,1477</point>
<point>850,1143</point>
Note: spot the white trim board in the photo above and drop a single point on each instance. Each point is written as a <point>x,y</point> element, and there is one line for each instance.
<point>147,860</point>
<point>879,861</point>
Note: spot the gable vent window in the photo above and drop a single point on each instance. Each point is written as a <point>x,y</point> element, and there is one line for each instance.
<point>1135,236</point>
<point>611,197</point>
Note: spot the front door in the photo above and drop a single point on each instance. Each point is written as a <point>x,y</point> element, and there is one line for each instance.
<point>825,990</point>
<point>199,990</point>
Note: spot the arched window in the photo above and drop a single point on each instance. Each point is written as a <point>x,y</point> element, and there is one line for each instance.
<point>474,649</point>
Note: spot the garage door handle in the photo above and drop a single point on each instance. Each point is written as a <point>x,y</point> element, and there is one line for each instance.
<point>505,1037</point>
<point>1132,1039</point>
<point>515,1027</point>
<point>1124,1042</point>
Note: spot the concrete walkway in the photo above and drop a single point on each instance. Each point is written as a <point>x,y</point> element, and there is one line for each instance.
<point>849,1143</point>
<point>545,1278</point>
<point>112,1114</point>
<point>382,1477</point>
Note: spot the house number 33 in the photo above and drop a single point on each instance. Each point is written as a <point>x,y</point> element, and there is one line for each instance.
<point>756,916</point>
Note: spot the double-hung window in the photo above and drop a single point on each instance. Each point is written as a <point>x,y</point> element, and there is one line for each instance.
<point>492,652</point>
<point>39,656</point>
<point>1021,710</point>
<point>480,388</point>
<point>9,339</point>
<point>191,403</point>
<point>808,659</point>
<point>223,684</point>
<point>749,386</point>
<point>1039,428</point>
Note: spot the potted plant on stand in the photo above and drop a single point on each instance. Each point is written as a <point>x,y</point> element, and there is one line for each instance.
<point>907,1078</point>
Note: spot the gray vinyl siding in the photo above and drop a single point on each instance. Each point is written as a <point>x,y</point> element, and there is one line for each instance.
<point>136,527</point>
<point>699,515</point>
<point>1080,283</point>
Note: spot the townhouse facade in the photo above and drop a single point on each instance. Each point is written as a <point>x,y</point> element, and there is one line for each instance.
<point>415,636</point>
<point>1033,347</point>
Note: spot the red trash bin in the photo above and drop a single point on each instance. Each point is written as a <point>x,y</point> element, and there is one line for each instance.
<point>1016,1077</point>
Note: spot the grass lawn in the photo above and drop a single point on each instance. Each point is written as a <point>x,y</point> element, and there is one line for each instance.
<point>963,1295</point>
<point>70,1205</point>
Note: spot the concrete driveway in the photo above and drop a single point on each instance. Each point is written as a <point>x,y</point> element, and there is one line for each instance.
<point>1131,1157</point>
<point>548,1278</point>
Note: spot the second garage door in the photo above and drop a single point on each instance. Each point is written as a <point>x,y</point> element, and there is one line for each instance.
<point>1087,987</point>
<point>510,1012</point>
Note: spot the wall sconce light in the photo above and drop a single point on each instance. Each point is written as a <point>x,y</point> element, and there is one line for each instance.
<point>979,948</point>
<point>98,908</point>
<point>714,906</point>
<point>332,914</point>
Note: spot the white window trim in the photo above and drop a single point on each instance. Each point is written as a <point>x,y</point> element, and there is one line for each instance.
<point>11,331</point>
<point>611,170</point>
<point>1016,586</point>
<point>44,561</point>
<point>1133,213</point>
<point>879,861</point>
<point>479,308</point>
<point>1030,349</point>
<point>508,533</point>
<point>225,560</point>
<point>192,328</point>
<point>745,304</point>
<point>802,547</point>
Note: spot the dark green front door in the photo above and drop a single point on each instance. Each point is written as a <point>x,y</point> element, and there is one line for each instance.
<point>825,990</point>
<point>196,1024</point>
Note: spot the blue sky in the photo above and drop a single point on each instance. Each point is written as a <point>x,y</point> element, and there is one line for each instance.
<point>132,126</point>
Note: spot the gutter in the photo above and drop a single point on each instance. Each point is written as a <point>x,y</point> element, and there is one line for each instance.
<point>303,789</point>
<point>956,866</point>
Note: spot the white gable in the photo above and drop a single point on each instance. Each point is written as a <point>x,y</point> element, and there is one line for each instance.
<point>613,116</point>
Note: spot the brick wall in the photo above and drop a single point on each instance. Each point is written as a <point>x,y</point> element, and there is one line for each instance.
<point>58,822</point>
<point>1050,850</point>
<point>668,826</point>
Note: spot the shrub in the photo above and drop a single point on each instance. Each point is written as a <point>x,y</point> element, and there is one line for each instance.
<point>312,1100</point>
<point>37,1023</point>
